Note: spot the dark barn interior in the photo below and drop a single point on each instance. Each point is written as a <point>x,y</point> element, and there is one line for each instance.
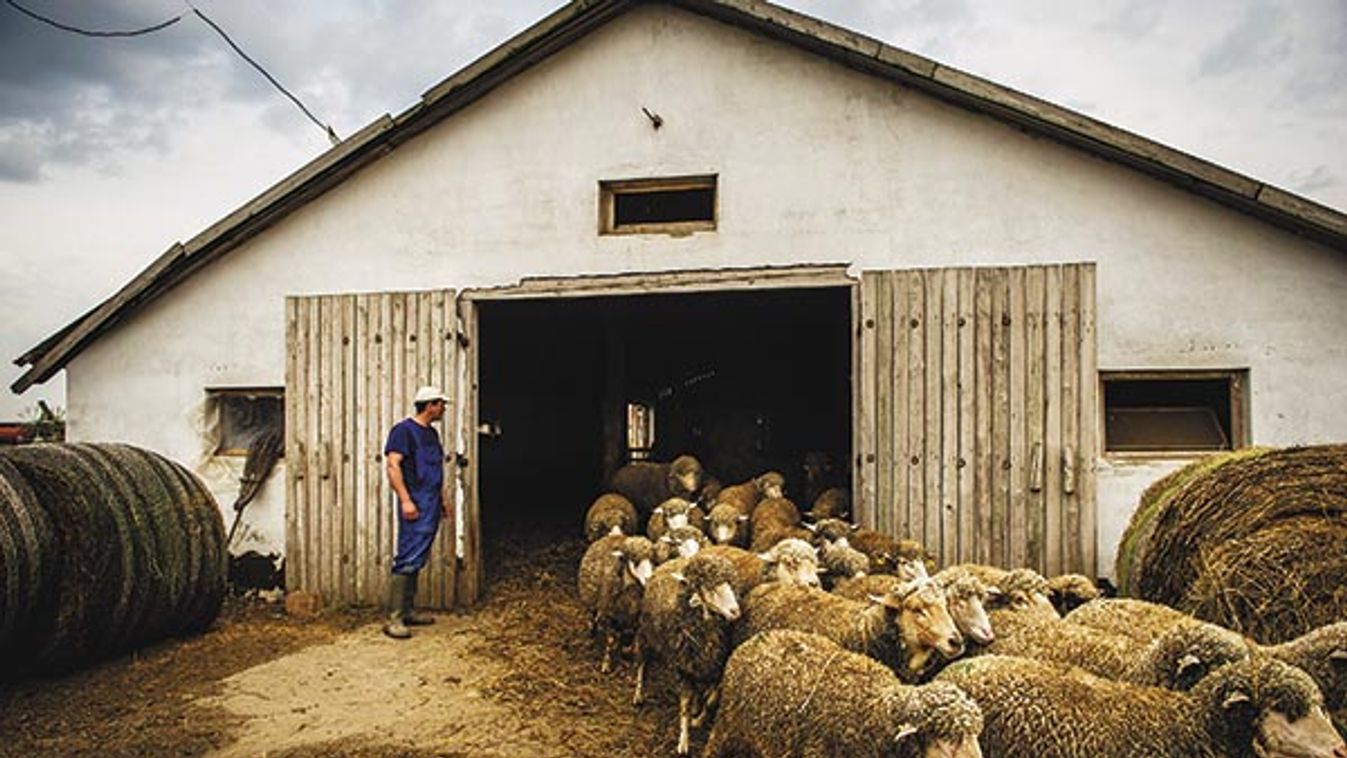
<point>745,381</point>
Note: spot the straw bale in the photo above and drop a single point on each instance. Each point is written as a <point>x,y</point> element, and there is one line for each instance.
<point>26,602</point>
<point>1277,583</point>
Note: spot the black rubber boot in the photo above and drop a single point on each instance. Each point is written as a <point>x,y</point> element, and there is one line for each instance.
<point>397,593</point>
<point>409,615</point>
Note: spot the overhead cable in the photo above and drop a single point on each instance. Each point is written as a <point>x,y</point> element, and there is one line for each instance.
<point>94,32</point>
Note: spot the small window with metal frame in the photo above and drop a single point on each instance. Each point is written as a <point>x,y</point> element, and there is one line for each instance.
<point>1174,412</point>
<point>672,205</point>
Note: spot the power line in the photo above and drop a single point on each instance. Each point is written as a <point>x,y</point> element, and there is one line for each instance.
<point>331,135</point>
<point>93,32</point>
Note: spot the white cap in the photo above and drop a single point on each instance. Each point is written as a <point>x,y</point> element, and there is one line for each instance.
<point>429,394</point>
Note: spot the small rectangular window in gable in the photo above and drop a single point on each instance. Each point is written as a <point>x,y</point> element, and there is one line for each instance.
<point>675,205</point>
<point>245,414</point>
<point>1174,412</point>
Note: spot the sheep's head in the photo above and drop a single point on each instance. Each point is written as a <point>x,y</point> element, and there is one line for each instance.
<point>940,718</point>
<point>709,491</point>
<point>843,561</point>
<point>1024,589</point>
<point>1273,705</point>
<point>637,555</point>
<point>795,562</point>
<point>771,484</point>
<point>831,530</point>
<point>685,476</point>
<point>676,512</point>
<point>924,622</point>
<point>909,560</point>
<point>1070,591</point>
<point>1322,653</point>
<point>817,465</point>
<point>711,580</point>
<point>967,597</point>
<point>682,542</point>
<point>725,523</point>
<point>1184,654</point>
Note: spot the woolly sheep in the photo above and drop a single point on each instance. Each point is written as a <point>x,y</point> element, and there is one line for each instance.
<point>1322,652</point>
<point>904,629</point>
<point>1020,590</point>
<point>773,520</point>
<point>745,496</point>
<point>833,502</point>
<point>673,513</point>
<point>682,542</point>
<point>817,467</point>
<point>608,512</point>
<point>786,562</point>
<point>685,616</point>
<point>829,530</point>
<point>612,578</point>
<point>965,597</point>
<point>904,558</point>
<point>1035,709</point>
<point>725,525</point>
<point>790,694</point>
<point>1070,591</point>
<point>841,561</point>
<point>647,484</point>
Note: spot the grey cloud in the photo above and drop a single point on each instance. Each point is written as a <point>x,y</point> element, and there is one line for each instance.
<point>1319,178</point>
<point>1257,40</point>
<point>1133,20</point>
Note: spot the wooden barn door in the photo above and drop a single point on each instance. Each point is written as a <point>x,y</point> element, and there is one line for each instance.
<point>976,428</point>
<point>353,365</point>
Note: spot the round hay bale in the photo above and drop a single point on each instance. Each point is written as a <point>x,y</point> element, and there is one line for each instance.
<point>1185,518</point>
<point>136,552</point>
<point>1276,584</point>
<point>1136,540</point>
<point>26,604</point>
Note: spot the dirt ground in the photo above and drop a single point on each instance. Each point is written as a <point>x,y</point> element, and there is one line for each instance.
<point>518,675</point>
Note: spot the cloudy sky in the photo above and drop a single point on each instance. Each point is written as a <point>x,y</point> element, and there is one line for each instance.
<point>111,149</point>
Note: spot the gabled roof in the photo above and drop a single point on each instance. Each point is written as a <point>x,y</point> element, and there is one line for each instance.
<point>576,19</point>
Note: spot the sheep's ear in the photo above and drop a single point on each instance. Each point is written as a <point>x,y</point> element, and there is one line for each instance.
<point>616,553</point>
<point>994,592</point>
<point>768,557</point>
<point>821,570</point>
<point>742,518</point>
<point>1236,698</point>
<point>887,600</point>
<point>904,731</point>
<point>695,600</point>
<point>678,577</point>
<point>1338,657</point>
<point>855,527</point>
<point>1186,664</point>
<point>810,527</point>
<point>658,509</point>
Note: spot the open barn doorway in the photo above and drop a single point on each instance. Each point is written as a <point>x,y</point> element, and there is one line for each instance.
<point>746,380</point>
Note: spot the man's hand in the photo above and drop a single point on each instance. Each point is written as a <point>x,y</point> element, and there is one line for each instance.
<point>410,511</point>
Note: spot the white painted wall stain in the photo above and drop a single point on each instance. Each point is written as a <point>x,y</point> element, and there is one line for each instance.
<point>817,163</point>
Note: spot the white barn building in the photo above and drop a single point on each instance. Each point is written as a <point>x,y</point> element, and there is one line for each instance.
<point>1002,319</point>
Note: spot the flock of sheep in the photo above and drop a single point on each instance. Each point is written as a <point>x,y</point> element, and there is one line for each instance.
<point>817,638</point>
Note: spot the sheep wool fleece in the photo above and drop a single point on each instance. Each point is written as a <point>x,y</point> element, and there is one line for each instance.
<point>423,473</point>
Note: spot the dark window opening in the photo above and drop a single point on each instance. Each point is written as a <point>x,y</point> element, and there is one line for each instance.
<point>675,205</point>
<point>1159,412</point>
<point>245,415</point>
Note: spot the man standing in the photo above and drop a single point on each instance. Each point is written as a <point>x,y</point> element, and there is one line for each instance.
<point>415,463</point>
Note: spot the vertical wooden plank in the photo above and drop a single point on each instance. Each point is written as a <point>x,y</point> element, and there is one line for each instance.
<point>323,514</point>
<point>934,336</point>
<point>396,337</point>
<point>949,416</point>
<point>1052,421</point>
<point>866,482</point>
<point>916,405</point>
<point>360,452</point>
<point>966,454</point>
<point>385,509</point>
<point>312,391</point>
<point>983,381</point>
<point>1034,414</point>
<point>447,347</point>
<point>350,461</point>
<point>470,577</point>
<point>1089,421</point>
<point>1019,457</point>
<point>295,355</point>
<point>999,284</point>
<point>884,450</point>
<point>1072,452</point>
<point>898,380</point>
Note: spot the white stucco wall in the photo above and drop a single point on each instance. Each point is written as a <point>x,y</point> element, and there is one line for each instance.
<point>816,163</point>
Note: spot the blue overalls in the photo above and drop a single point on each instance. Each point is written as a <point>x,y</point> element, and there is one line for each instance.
<point>423,472</point>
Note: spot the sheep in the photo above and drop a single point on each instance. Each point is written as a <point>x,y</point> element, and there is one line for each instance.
<point>1322,652</point>
<point>1175,660</point>
<point>673,513</point>
<point>746,495</point>
<point>609,512</point>
<point>1021,590</point>
<point>647,484</point>
<point>904,629</point>
<point>841,561</point>
<point>709,492</point>
<point>725,525</point>
<point>682,542</point>
<point>817,467</point>
<point>773,520</point>
<point>1070,591</point>
<point>790,562</point>
<point>612,578</point>
<point>833,502</point>
<point>965,597</point>
<point>793,694</point>
<point>685,616</point>
<point>1036,709</point>
<point>828,530</point>
<point>905,558</point>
